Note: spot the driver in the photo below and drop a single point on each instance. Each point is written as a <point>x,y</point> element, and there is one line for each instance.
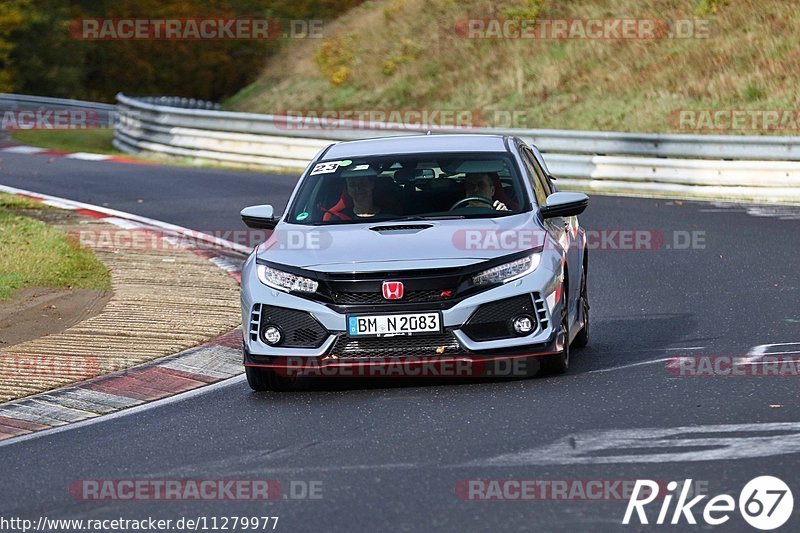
<point>362,190</point>
<point>480,184</point>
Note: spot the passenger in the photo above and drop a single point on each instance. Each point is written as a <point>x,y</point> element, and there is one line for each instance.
<point>357,199</point>
<point>480,184</point>
<point>362,190</point>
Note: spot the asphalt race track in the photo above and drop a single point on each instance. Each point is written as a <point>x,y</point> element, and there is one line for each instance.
<point>398,455</point>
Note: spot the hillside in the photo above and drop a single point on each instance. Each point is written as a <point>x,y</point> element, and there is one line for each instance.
<point>419,54</point>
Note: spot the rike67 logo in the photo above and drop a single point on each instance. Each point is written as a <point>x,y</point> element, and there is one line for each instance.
<point>765,503</point>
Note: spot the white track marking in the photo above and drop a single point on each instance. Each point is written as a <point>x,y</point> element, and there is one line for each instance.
<point>643,363</point>
<point>684,349</point>
<point>59,204</point>
<point>764,349</point>
<point>122,223</point>
<point>632,365</point>
<point>660,445</point>
<point>782,212</point>
<point>656,350</point>
<point>88,157</point>
<point>757,352</point>
<point>22,149</point>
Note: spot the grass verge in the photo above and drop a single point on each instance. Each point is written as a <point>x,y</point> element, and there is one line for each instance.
<point>33,254</point>
<point>96,141</point>
<point>416,55</point>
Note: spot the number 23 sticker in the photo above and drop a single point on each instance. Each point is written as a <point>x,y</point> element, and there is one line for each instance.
<point>325,168</point>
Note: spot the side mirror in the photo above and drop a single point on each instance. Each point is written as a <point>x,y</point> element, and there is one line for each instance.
<point>564,204</point>
<point>259,217</point>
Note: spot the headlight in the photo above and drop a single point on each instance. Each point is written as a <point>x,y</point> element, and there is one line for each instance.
<point>508,271</point>
<point>277,279</point>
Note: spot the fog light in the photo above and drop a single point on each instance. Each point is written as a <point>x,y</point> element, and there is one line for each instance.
<point>523,325</point>
<point>272,335</point>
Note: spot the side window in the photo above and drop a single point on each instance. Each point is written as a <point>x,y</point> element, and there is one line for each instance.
<point>536,177</point>
<point>548,184</point>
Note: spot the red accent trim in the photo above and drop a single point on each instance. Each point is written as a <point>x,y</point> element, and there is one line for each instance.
<point>335,363</point>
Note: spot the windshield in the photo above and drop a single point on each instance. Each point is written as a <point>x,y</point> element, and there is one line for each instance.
<point>409,187</point>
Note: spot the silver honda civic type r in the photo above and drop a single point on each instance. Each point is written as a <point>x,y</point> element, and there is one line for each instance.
<point>429,255</point>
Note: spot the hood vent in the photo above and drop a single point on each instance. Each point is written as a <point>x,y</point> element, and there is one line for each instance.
<point>411,228</point>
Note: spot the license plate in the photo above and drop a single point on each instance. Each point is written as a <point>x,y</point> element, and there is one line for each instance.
<point>384,325</point>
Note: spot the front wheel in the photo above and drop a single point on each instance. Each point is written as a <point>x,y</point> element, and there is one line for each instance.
<point>263,379</point>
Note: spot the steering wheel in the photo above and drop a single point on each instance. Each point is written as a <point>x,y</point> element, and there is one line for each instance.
<point>483,199</point>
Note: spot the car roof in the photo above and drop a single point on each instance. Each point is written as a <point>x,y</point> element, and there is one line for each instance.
<point>417,144</point>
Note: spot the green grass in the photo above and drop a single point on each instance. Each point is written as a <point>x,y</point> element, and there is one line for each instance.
<point>96,141</point>
<point>33,254</point>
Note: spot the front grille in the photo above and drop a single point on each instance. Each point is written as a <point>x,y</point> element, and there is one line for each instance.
<point>397,346</point>
<point>420,286</point>
<point>492,321</point>
<point>300,329</point>
<point>376,297</point>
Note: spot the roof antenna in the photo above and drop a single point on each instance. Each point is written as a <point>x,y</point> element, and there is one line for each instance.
<point>429,132</point>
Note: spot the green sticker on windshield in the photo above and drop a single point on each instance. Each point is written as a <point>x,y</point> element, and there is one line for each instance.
<point>302,216</point>
<point>345,163</point>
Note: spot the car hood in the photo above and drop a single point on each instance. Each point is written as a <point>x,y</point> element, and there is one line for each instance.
<point>398,245</point>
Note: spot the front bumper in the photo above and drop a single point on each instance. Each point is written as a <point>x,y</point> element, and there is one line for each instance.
<point>540,286</point>
<point>499,363</point>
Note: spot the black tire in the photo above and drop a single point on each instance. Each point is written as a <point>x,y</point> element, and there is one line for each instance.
<point>559,363</point>
<point>582,338</point>
<point>263,379</point>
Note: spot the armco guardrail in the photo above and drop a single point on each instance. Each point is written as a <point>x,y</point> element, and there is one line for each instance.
<point>101,115</point>
<point>728,167</point>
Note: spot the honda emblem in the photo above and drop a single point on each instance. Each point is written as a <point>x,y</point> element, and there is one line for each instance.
<point>392,290</point>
